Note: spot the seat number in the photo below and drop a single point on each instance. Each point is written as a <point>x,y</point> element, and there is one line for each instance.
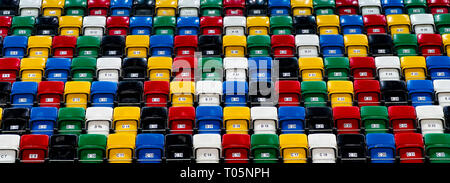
<point>265,155</point>
<point>181,126</point>
<point>120,155</point>
<point>367,98</point>
<point>92,156</point>
<point>320,126</point>
<point>440,154</point>
<point>236,155</point>
<point>292,126</point>
<point>33,156</point>
<point>178,155</point>
<point>42,126</point>
<point>288,99</point>
<point>382,154</point>
<point>410,154</point>
<point>149,155</point>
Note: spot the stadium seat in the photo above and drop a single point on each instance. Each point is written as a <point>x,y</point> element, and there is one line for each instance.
<point>164,25</point>
<point>283,45</point>
<point>91,148</point>
<point>50,93</point>
<point>388,68</point>
<point>211,7</point>
<point>137,46</point>
<point>392,6</point>
<point>75,7</point>
<point>126,120</point>
<point>179,148</point>
<point>236,148</point>
<point>182,93</point>
<point>209,93</point>
<point>380,44</point>
<point>405,44</point>
<point>166,7</point>
<point>154,120</point>
<point>322,7</point>
<point>71,120</point>
<point>15,120</point>
<point>39,46</point>
<point>323,148</point>
<point>234,7</point>
<point>414,67</point>
<point>362,68</point>
<point>134,69</point>
<point>394,93</point>
<point>281,25</point>
<point>430,119</point>
<point>183,68</point>
<point>234,46</point>
<point>210,45</point>
<point>291,119</point>
<point>76,93</point>
<point>332,45</point>
<point>70,25</point>
<point>375,24</point>
<point>57,69</point>
<point>415,6</point>
<point>234,25</point>
<point>402,119</point>
<point>287,68</point>
<point>211,68</point>
<point>258,25</point>
<point>5,91</point>
<point>9,7</point>
<point>236,120</point>
<point>347,119</point>
<point>120,148</point>
<point>265,148</point>
<point>181,120</point>
<point>108,69</point>
<point>33,148</point>
<point>141,25</point>
<point>46,26</point>
<point>319,120</point>
<point>304,24</point>
<point>143,7</point>
<point>64,46</point>
<point>83,69</point>
<point>207,148</point>
<point>129,93</point>
<point>161,45</point>
<point>356,45</point>
<point>209,119</point>
<point>261,93</point>
<point>5,25</point>
<point>43,120</point>
<point>410,147</point>
<point>375,119</point>
<point>235,69</point>
<point>15,46</point>
<point>422,23</point>
<point>264,120</point>
<point>257,8</point>
<point>211,25</point>
<point>235,93</point>
<point>352,24</point>
<point>307,45</point>
<point>441,22</point>
<point>185,45</point>
<point>381,147</point>
<point>10,150</point>
<point>279,8</point>
<point>117,25</point>
<point>300,7</point>
<point>159,68</point>
<point>347,7</point>
<point>311,68</point>
<point>352,148</point>
<point>149,148</point>
<point>367,92</point>
<point>314,93</point>
<point>88,46</point>
<point>294,148</point>
<point>398,24</point>
<point>420,92</point>
<point>98,120</point>
<point>430,44</point>
<point>32,69</point>
<point>436,147</point>
<point>438,67</point>
<point>288,93</point>
<point>438,6</point>
<point>337,68</point>
<point>94,26</point>
<point>63,148</point>
<point>441,92</point>
<point>260,68</point>
<point>22,25</point>
<point>30,8</point>
<point>188,25</point>
<point>328,24</point>
<point>340,93</point>
<point>120,7</point>
<point>258,45</point>
<point>188,8</point>
<point>103,93</point>
<point>52,7</point>
<point>23,94</point>
<point>98,7</point>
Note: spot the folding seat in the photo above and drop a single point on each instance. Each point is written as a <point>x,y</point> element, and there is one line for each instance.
<point>188,25</point>
<point>430,44</point>
<point>57,69</point>
<point>261,93</point>
<point>352,148</point>
<point>311,68</point>
<point>75,7</point>
<point>436,147</point>
<point>210,45</point>
<point>323,148</point>
<point>88,46</point>
<point>211,7</point>
<point>442,23</point>
<point>328,24</point>
<point>283,45</point>
<point>120,7</point>
<point>398,23</point>
<point>287,67</point>
<point>211,25</point>
<point>154,120</point>
<point>256,8</point>
<point>265,148</point>
<point>209,93</point>
<point>209,119</point>
<point>234,46</point>
<point>234,25</point>
<point>166,7</point>
<point>134,69</point>
<point>375,24</point>
<point>143,7</point>
<point>181,120</point>
<point>39,46</point>
<point>322,7</point>
<point>235,93</point>
<point>300,7</point>
<point>98,7</point>
<point>76,93</point>
<point>405,44</point>
<point>15,46</point>
<point>129,93</point>
<point>264,120</point>
<point>120,148</point>
<point>375,119</point>
<point>43,120</point>
<point>438,67</point>
<point>392,6</point>
<point>430,119</point>
<point>314,93</point>
<point>381,147</point>
<point>446,41</point>
<point>188,8</point>
<point>10,148</point>
<point>414,67</point>
<point>281,25</point>
<point>394,93</point>
<point>83,69</point>
<point>185,45</point>
<point>71,120</point>
<point>108,69</point>
<point>260,69</point>
<point>207,148</point>
<point>288,93</point>
<point>234,7</point>
<point>347,7</point>
<point>235,69</point>
<point>236,148</point>
<point>367,92</point>
<point>340,93</point>
<point>258,25</point>
<point>291,119</point>
<point>388,68</point>
<point>5,25</point>
<point>46,26</point>
<point>141,25</point>
<point>179,148</point>
<point>294,148</point>
<point>94,26</point>
<point>422,23</point>
<point>33,148</point>
<point>91,148</point>
<point>258,45</point>
<point>22,25</point>
<point>279,8</point>
<point>438,6</point>
<point>161,45</point>
<point>319,120</point>
<point>32,69</point>
<point>380,44</point>
<point>149,148</point>
<point>63,148</point>
<point>307,45</point>
<point>64,46</point>
<point>15,120</point>
<point>137,46</point>
<point>30,8</point>
<point>332,45</point>
<point>347,119</point>
<point>362,67</point>
<point>182,93</point>
<point>183,68</point>
<point>126,120</point>
<point>103,93</point>
<point>402,118</point>
<point>23,94</point>
<point>415,6</point>
<point>52,7</point>
<point>98,120</point>
<point>421,92</point>
<point>117,25</point>
<point>410,147</point>
<point>304,24</point>
<point>442,91</point>
<point>112,46</point>
<point>356,45</point>
<point>337,68</point>
<point>5,90</point>
<point>352,24</point>
<point>159,68</point>
<point>50,93</point>
<point>236,120</point>
<point>70,25</point>
<point>211,68</point>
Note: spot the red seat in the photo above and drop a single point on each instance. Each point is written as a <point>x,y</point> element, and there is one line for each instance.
<point>236,148</point>
<point>33,148</point>
<point>117,26</point>
<point>234,7</point>
<point>183,68</point>
<point>5,25</point>
<point>367,92</point>
<point>283,45</point>
<point>438,6</point>
<point>402,118</point>
<point>211,25</point>
<point>288,93</point>
<point>347,119</point>
<point>64,46</point>
<point>9,69</point>
<point>375,24</point>
<point>98,7</point>
<point>430,44</point>
<point>410,147</point>
<point>347,7</point>
<point>50,93</point>
<point>362,67</point>
<point>156,93</point>
<point>185,45</point>
<point>181,120</point>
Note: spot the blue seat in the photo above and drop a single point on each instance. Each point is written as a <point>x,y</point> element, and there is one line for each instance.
<point>421,92</point>
<point>141,25</point>
<point>235,93</point>
<point>149,148</point>
<point>209,119</point>
<point>23,94</point>
<point>57,69</point>
<point>392,6</point>
<point>260,69</point>
<point>291,119</point>
<point>43,120</point>
<point>120,7</point>
<point>279,7</point>
<point>438,67</point>
<point>332,45</point>
<point>188,25</point>
<point>352,24</point>
<point>103,93</point>
<point>161,45</point>
<point>15,46</point>
<point>381,147</point>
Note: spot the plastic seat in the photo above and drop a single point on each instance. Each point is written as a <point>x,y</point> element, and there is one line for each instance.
<point>71,120</point>
<point>287,68</point>
<point>76,93</point>
<point>182,93</point>
<point>166,7</point>
<point>161,45</point>
<point>356,45</point>
<point>234,46</point>
<point>159,68</point>
<point>211,7</point>
<point>322,7</point>
<point>207,148</point>
<point>441,23</point>
<point>149,148</point>
<point>347,7</point>
<point>388,68</point>
<point>442,91</point>
<point>83,69</point>
<point>57,69</point>
<point>381,147</point>
<point>91,148</point>
<point>323,148</point>
<point>398,23</point>
<point>117,25</point>
<point>70,25</point>
<point>288,93</point>
<point>181,120</point>
<point>88,46</point>
<point>33,148</point>
<point>328,24</point>
<point>402,118</point>
<point>260,69</point>
<point>257,8</point>
<point>39,46</point>
<point>319,120</point>
<point>415,6</point>
<point>436,147</point>
<point>179,148</point>
<point>291,119</point>
<point>32,69</point>
<point>183,68</point>
<point>75,7</point>
<point>311,68</point>
<point>405,44</point>
<point>332,45</point>
<point>126,120</point>
<point>375,119</point>
<point>23,94</point>
<point>307,45</point>
<point>261,93</point>
<point>188,8</point>
<point>108,69</point>
<point>234,7</point>
<point>209,119</point>
<point>279,8</point>
<point>15,120</point>
<point>211,68</point>
<point>94,26</point>
<point>236,148</point>
<point>134,69</point>
<point>164,25</point>
<point>314,93</point>
<point>430,44</point>
<point>120,148</point>
<point>103,93</point>
<point>210,45</point>
<point>5,89</point>
<point>46,26</point>
<point>236,122</point>
<point>137,46</point>
<point>281,25</point>
<point>300,8</point>
<point>375,24</point>
<point>438,6</point>
<point>367,92</point>
<point>5,25</point>
<point>264,120</point>
<point>129,93</point>
<point>337,68</point>
<point>43,120</point>
<point>304,24</point>
<point>9,7</point>
<point>235,93</point>
<point>362,68</point>
<point>64,46</point>
<point>120,7</point>
<point>430,119</point>
<point>410,147</point>
<point>143,7</point>
<point>422,23</point>
<point>258,45</point>
<point>347,119</point>
<point>414,67</point>
<point>98,7</point>
<point>63,148</point>
<point>258,25</point>
<point>15,46</point>
<point>265,148</point>
<point>352,24</point>
<point>141,25</point>
<point>421,92</point>
<point>380,44</point>
<point>154,120</point>
<point>392,6</point>
<point>340,93</point>
<point>209,93</point>
<point>394,93</point>
<point>283,45</point>
<point>185,45</point>
<point>211,25</point>
<point>98,120</point>
<point>235,69</point>
<point>52,7</point>
<point>50,93</point>
<point>188,25</point>
<point>10,148</point>
<point>438,67</point>
<point>22,25</point>
<point>352,148</point>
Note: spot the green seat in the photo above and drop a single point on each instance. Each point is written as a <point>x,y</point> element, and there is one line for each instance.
<point>337,68</point>
<point>442,23</point>
<point>91,148</point>
<point>83,68</point>
<point>71,120</point>
<point>375,119</point>
<point>211,7</point>
<point>258,45</point>
<point>265,148</point>
<point>281,25</point>
<point>405,44</point>
<point>88,46</point>
<point>415,6</point>
<point>22,25</point>
<point>75,7</point>
<point>324,7</point>
<point>314,93</point>
<point>164,25</point>
<point>437,147</point>
<point>212,68</point>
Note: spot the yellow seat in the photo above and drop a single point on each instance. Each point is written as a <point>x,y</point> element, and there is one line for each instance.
<point>32,69</point>
<point>182,93</point>
<point>356,45</point>
<point>70,25</point>
<point>166,7</point>
<point>340,93</point>
<point>311,68</point>
<point>236,120</point>
<point>258,25</point>
<point>446,41</point>
<point>328,24</point>
<point>39,46</point>
<point>137,46</point>
<point>302,7</point>
<point>398,24</point>
<point>294,148</point>
<point>234,46</point>
<point>52,7</point>
<point>76,93</point>
<point>159,68</point>
<point>126,119</point>
<point>120,148</point>
<point>414,67</point>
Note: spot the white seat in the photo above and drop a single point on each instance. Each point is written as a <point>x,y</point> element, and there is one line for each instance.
<point>94,25</point>
<point>307,45</point>
<point>207,148</point>
<point>98,120</point>
<point>235,68</point>
<point>209,93</point>
<point>264,119</point>
<point>234,25</point>
<point>388,68</point>
<point>108,69</point>
<point>323,148</point>
<point>9,148</point>
<point>430,119</point>
<point>30,7</point>
<point>442,89</point>
<point>422,23</point>
<point>368,7</point>
<point>188,8</point>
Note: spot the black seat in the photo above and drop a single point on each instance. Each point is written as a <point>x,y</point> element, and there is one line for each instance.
<point>305,25</point>
<point>287,68</point>
<point>113,46</point>
<point>447,118</point>
<point>5,91</point>
<point>380,44</point>
<point>352,148</point>
<point>47,26</point>
<point>256,7</point>
<point>134,69</point>
<point>394,93</point>
<point>260,94</point>
<point>154,120</point>
<point>129,93</point>
<point>178,148</point>
<point>9,7</point>
<point>210,45</point>
<point>1,45</point>
<point>63,148</point>
<point>319,120</point>
<point>15,120</point>
<point>143,7</point>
